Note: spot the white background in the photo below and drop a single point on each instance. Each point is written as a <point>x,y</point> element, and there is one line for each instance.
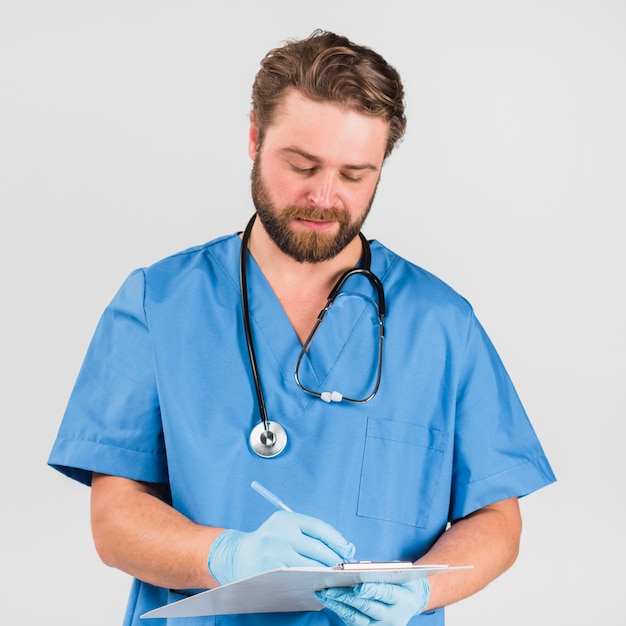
<point>123,130</point>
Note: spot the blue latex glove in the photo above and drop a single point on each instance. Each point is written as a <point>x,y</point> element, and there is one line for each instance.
<point>385,604</point>
<point>284,540</point>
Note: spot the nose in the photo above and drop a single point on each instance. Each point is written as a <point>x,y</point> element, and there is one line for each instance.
<point>323,191</point>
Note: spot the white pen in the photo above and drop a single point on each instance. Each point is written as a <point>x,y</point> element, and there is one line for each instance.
<point>269,496</point>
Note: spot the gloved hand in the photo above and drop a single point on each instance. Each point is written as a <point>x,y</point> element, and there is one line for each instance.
<point>385,604</point>
<point>284,540</point>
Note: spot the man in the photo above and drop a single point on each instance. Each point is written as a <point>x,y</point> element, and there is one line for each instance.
<point>422,453</point>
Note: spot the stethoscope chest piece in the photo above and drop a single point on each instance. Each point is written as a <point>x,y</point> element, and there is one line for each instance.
<point>268,440</point>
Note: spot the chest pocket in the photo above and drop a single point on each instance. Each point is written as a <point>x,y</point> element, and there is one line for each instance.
<point>400,471</point>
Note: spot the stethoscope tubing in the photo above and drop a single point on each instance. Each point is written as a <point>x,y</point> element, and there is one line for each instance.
<point>245,305</point>
<point>336,290</point>
<point>268,439</point>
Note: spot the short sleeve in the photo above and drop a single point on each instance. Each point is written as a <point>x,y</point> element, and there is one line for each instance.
<point>497,453</point>
<point>112,422</point>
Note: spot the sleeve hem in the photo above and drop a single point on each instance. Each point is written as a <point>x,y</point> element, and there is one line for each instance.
<point>515,482</point>
<point>78,459</point>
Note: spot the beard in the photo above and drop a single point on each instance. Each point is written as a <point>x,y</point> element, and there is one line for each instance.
<point>303,246</point>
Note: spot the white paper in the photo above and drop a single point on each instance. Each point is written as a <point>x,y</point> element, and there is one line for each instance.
<point>288,589</point>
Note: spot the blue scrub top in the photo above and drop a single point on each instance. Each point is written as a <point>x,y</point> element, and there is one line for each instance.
<point>166,395</point>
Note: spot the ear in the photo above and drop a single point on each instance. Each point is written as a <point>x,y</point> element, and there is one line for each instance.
<point>253,137</point>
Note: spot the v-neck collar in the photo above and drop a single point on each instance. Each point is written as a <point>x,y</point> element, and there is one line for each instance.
<point>276,342</point>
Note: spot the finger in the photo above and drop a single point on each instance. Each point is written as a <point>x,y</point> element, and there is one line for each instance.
<point>316,550</point>
<point>288,556</point>
<point>412,596</point>
<point>340,594</point>
<point>327,534</point>
<point>350,597</point>
<point>383,592</point>
<point>369,605</point>
<point>332,599</point>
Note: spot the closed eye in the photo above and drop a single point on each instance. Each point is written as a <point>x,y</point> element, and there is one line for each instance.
<point>351,179</point>
<point>303,170</point>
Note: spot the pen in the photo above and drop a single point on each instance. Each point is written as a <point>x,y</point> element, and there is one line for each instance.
<point>269,496</point>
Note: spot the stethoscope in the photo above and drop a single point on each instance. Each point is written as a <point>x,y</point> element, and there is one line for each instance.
<point>268,439</point>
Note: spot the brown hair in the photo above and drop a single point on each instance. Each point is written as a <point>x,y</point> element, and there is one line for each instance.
<point>330,68</point>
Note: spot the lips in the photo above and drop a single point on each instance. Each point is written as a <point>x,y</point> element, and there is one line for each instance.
<point>315,224</point>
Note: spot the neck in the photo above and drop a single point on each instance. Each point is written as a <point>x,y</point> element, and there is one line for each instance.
<point>301,288</point>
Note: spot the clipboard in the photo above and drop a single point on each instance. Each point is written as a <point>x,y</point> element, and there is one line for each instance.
<point>291,589</point>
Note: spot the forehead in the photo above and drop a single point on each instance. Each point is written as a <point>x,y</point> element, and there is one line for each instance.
<point>329,131</point>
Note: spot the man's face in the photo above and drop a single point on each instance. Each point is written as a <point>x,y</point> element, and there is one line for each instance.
<point>315,174</point>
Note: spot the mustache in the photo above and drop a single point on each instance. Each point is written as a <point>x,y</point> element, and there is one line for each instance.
<point>310,213</point>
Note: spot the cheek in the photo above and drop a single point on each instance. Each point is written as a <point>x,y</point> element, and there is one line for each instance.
<point>282,188</point>
<point>361,200</point>
<point>286,191</point>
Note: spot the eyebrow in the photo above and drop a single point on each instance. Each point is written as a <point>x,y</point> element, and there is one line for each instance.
<point>311,157</point>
